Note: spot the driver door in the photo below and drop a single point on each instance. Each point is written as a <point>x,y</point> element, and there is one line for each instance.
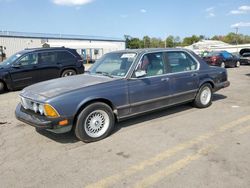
<point>23,72</point>
<point>152,90</point>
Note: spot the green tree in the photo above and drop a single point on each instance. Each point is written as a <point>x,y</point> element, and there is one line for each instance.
<point>134,43</point>
<point>190,40</point>
<point>170,42</point>
<point>146,42</point>
<point>156,43</point>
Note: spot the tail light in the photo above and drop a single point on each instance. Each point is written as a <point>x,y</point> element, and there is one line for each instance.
<point>215,59</point>
<point>80,60</point>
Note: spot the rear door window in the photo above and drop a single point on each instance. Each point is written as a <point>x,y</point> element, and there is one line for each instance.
<point>180,62</point>
<point>47,57</point>
<point>64,56</point>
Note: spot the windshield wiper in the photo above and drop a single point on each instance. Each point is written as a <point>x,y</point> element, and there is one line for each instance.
<point>104,74</point>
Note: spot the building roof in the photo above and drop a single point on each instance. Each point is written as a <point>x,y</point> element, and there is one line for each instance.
<point>57,36</point>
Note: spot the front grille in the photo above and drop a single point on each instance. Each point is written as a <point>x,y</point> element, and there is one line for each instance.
<point>26,103</point>
<point>32,105</point>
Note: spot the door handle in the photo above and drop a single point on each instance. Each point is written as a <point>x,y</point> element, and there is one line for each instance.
<point>194,74</point>
<point>165,79</point>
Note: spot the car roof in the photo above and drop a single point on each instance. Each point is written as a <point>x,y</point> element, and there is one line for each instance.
<point>26,50</point>
<point>147,50</point>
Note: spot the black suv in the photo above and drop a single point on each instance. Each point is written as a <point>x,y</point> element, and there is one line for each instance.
<point>35,65</point>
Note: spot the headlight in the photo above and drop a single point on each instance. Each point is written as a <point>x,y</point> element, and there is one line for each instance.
<point>50,111</point>
<point>41,109</point>
<point>35,107</point>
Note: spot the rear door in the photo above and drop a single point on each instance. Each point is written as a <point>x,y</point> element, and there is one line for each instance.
<point>48,65</point>
<point>151,91</point>
<point>25,71</point>
<point>66,59</point>
<point>183,76</point>
<point>229,59</point>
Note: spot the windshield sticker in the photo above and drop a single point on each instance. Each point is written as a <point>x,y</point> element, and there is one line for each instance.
<point>128,56</point>
<point>18,55</point>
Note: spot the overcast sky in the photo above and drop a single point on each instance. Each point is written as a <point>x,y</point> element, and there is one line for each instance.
<point>115,18</point>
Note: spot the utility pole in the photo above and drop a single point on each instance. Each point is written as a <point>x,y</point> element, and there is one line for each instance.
<point>236,35</point>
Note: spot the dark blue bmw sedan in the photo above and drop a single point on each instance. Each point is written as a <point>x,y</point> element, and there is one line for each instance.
<point>120,85</point>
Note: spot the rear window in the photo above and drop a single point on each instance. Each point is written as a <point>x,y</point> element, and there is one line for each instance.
<point>227,55</point>
<point>210,54</point>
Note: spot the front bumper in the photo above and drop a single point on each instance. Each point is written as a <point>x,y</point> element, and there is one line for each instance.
<point>221,85</point>
<point>42,122</point>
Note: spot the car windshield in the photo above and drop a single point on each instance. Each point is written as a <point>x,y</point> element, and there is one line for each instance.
<point>114,64</point>
<point>10,60</point>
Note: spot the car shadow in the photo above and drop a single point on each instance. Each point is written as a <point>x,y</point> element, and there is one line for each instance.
<point>217,97</point>
<point>63,138</point>
<point>247,74</point>
<point>69,137</point>
<point>160,113</point>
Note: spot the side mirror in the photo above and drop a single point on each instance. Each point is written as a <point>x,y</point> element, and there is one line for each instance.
<point>140,73</point>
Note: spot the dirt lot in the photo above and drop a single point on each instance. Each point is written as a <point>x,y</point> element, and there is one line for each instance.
<point>177,147</point>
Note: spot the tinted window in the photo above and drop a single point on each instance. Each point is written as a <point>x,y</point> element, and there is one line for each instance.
<point>47,57</point>
<point>65,56</point>
<point>29,59</point>
<point>180,62</point>
<point>210,54</point>
<point>152,63</point>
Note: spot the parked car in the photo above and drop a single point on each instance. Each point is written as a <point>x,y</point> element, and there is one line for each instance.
<point>120,85</point>
<point>35,65</point>
<point>222,59</point>
<point>245,56</point>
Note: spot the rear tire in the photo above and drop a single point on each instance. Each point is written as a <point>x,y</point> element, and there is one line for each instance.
<point>2,87</point>
<point>68,72</point>
<point>237,64</point>
<point>204,97</point>
<point>94,122</point>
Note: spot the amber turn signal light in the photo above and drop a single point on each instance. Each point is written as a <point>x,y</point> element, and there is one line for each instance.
<point>50,111</point>
<point>64,122</point>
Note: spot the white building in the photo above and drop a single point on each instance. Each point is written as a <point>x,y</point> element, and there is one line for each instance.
<point>88,46</point>
<point>214,45</point>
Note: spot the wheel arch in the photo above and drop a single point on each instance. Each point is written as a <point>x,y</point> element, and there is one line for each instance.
<point>5,84</point>
<point>94,100</point>
<point>67,68</point>
<point>208,81</point>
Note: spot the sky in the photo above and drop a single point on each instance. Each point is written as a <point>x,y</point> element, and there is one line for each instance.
<point>116,18</point>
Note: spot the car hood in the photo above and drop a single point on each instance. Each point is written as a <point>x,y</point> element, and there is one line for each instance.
<point>51,88</point>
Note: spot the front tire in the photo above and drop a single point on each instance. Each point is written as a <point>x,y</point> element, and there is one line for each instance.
<point>2,87</point>
<point>204,97</point>
<point>94,122</point>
